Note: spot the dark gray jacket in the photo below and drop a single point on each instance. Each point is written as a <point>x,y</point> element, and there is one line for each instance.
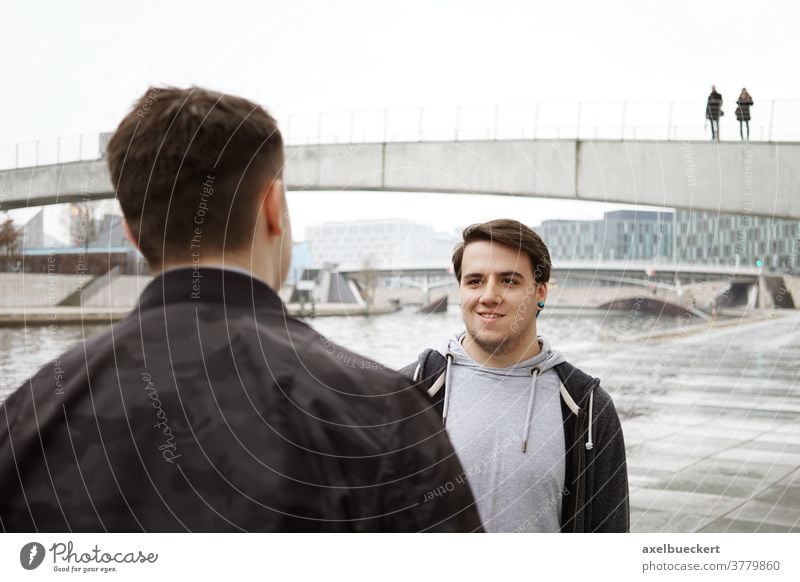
<point>596,484</point>
<point>208,408</point>
<point>714,106</point>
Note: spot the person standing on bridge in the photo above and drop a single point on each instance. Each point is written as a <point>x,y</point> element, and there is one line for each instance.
<point>714,111</point>
<point>540,440</point>
<point>208,408</point>
<point>744,103</point>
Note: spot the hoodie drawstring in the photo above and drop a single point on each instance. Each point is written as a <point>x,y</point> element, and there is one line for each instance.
<point>589,443</point>
<point>448,388</point>
<point>575,409</point>
<point>526,431</point>
<point>444,381</point>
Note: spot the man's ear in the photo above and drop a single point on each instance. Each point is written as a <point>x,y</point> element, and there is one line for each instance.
<point>541,292</point>
<point>128,234</point>
<point>272,206</point>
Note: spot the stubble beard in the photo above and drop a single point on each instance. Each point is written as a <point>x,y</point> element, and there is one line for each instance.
<point>497,347</point>
<point>502,346</point>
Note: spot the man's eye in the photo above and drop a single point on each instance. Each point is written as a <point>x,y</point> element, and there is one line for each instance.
<point>473,281</point>
<point>509,281</point>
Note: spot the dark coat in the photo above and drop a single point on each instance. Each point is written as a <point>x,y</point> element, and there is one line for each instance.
<point>596,481</point>
<point>209,409</point>
<point>743,109</point>
<point>714,106</point>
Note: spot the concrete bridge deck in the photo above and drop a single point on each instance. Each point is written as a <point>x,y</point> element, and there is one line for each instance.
<point>728,177</point>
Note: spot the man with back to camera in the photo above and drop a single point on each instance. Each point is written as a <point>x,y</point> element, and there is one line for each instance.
<point>208,408</point>
<point>540,440</point>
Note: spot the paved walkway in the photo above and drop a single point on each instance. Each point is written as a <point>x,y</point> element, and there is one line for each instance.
<point>712,426</point>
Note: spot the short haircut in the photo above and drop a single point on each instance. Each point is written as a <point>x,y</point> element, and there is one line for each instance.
<point>188,166</point>
<point>510,233</point>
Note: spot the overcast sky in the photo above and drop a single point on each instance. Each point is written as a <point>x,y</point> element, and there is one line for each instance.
<point>76,67</point>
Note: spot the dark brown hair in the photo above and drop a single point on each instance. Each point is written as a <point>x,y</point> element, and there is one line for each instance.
<point>188,166</point>
<point>513,234</point>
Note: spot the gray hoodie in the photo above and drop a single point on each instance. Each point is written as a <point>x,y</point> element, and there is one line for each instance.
<point>506,427</point>
<point>595,493</point>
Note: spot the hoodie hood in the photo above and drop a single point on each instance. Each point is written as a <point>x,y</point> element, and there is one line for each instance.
<point>547,358</point>
<point>533,367</point>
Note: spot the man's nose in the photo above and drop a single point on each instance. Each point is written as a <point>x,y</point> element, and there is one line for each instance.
<point>490,294</point>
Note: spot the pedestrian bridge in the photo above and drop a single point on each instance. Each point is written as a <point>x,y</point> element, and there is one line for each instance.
<point>665,288</point>
<point>761,178</point>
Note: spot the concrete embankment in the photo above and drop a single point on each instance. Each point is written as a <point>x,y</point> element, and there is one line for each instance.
<point>44,316</point>
<point>32,316</point>
<point>43,290</point>
<point>38,289</point>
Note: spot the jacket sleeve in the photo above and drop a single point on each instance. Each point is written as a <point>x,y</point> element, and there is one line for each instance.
<point>609,501</point>
<point>423,473</point>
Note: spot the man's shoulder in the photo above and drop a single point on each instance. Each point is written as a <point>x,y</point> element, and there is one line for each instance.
<point>333,364</point>
<point>56,377</point>
<point>580,384</point>
<point>574,378</point>
<point>78,356</point>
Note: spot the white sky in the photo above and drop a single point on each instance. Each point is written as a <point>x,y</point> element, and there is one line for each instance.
<point>76,67</point>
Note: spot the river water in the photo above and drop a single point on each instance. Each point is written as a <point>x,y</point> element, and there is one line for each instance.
<point>393,340</point>
<point>711,414</point>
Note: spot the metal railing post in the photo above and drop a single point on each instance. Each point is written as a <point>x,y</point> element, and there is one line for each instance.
<point>624,112</point>
<point>352,125</point>
<point>771,115</point>
<point>669,125</point>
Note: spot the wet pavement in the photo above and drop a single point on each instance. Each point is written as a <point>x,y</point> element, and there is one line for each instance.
<point>712,426</point>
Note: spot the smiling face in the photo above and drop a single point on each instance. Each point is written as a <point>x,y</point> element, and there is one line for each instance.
<point>499,299</point>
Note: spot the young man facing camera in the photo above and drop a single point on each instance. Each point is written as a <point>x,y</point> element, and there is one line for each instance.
<point>208,408</point>
<point>540,440</point>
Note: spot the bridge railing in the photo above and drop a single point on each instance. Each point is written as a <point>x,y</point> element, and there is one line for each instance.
<point>777,120</point>
<point>40,152</point>
<point>656,120</point>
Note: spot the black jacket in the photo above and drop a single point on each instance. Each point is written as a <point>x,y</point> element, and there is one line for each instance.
<point>209,409</point>
<point>714,106</point>
<point>743,109</point>
<point>596,482</point>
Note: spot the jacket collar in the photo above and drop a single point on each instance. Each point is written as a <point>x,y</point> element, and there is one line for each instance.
<point>209,285</point>
<point>578,383</point>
